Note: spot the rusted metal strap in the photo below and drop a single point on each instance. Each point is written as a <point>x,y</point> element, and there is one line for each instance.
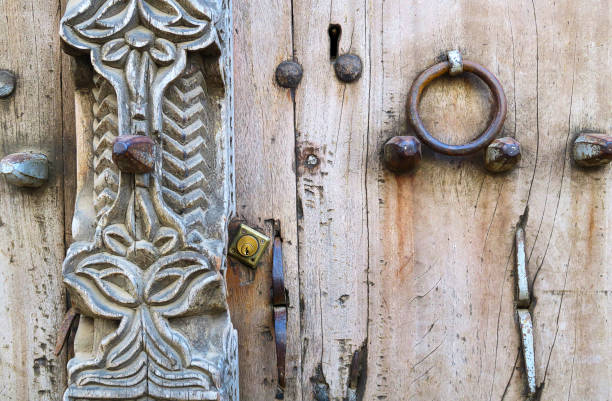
<point>279,301</point>
<point>64,331</point>
<point>523,300</point>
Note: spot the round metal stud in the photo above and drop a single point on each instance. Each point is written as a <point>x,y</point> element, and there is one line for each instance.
<point>402,153</point>
<point>289,74</point>
<point>348,67</point>
<point>134,154</point>
<point>502,155</point>
<point>592,149</point>
<point>29,170</point>
<point>7,83</point>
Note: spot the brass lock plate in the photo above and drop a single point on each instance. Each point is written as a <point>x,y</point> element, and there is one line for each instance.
<point>248,246</point>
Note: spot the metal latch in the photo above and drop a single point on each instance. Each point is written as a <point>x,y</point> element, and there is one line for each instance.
<point>279,302</point>
<point>524,315</point>
<point>248,246</point>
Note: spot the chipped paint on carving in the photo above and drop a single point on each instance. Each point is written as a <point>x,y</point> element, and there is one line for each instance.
<point>152,277</point>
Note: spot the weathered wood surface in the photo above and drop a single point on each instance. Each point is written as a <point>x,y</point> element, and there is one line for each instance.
<point>265,194</point>
<point>331,124</point>
<point>420,267</point>
<point>442,264</point>
<point>31,221</point>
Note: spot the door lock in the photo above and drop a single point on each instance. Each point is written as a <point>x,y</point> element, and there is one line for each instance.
<point>248,246</point>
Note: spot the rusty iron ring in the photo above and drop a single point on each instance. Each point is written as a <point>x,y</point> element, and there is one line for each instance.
<point>486,137</point>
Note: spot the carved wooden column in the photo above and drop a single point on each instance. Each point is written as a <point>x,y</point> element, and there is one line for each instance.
<point>155,193</point>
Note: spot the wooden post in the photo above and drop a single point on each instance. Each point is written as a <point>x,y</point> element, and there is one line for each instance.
<point>155,195</point>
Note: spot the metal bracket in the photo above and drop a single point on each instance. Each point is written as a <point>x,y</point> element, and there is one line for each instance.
<point>522,286</point>
<point>524,316</point>
<point>279,300</point>
<point>526,326</point>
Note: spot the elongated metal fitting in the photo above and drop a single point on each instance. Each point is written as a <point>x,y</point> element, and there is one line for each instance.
<point>502,155</point>
<point>592,149</point>
<point>526,326</point>
<point>30,170</point>
<point>455,59</point>
<point>523,299</point>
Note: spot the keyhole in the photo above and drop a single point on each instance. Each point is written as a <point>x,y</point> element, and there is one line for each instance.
<point>247,245</point>
<point>334,31</point>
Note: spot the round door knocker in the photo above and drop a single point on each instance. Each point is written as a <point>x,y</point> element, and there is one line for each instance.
<point>455,66</point>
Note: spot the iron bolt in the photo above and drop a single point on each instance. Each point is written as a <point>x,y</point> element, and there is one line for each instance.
<point>7,83</point>
<point>592,149</point>
<point>502,155</point>
<point>29,170</point>
<point>134,154</point>
<point>348,67</point>
<point>289,74</point>
<point>402,153</point>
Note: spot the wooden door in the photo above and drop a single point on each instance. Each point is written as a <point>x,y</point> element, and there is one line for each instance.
<point>413,273</point>
<point>418,269</point>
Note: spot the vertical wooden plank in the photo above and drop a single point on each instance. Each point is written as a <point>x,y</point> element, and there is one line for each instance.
<point>332,129</point>
<point>265,193</point>
<point>570,251</point>
<point>31,221</point>
<point>441,303</point>
<point>441,238</point>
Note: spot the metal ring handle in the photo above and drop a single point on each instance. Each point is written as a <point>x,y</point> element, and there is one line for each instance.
<point>486,137</point>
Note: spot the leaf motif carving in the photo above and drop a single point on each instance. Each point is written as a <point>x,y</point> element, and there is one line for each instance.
<point>112,17</point>
<point>166,240</point>
<point>116,278</point>
<point>171,275</point>
<point>164,52</point>
<point>115,52</point>
<point>117,239</point>
<point>167,16</point>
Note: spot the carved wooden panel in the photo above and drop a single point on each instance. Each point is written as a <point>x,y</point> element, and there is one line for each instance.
<point>148,269</point>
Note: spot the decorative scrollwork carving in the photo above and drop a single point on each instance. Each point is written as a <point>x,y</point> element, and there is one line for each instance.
<point>153,273</point>
<point>140,46</point>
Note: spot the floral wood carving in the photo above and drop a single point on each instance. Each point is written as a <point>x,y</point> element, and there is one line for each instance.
<point>140,46</point>
<point>149,282</point>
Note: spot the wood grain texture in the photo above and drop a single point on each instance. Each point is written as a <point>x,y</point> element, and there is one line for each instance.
<point>265,194</point>
<point>441,261</point>
<point>331,125</point>
<point>32,221</point>
<point>420,267</point>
